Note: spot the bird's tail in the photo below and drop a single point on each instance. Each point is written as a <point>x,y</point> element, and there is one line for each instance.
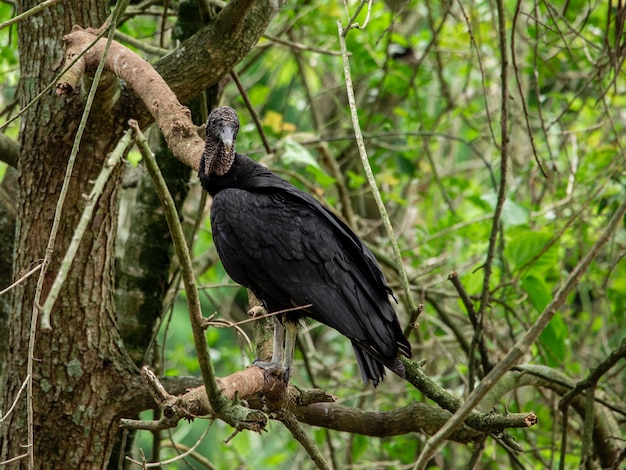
<point>373,368</point>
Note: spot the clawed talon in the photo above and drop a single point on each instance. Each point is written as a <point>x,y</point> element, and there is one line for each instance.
<point>273,368</point>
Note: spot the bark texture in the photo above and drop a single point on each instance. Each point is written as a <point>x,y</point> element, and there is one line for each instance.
<point>83,379</point>
<point>80,372</point>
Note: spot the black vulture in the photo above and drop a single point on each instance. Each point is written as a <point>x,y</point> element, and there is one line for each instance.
<point>291,251</point>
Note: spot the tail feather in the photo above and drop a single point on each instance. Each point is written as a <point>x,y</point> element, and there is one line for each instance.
<point>373,368</point>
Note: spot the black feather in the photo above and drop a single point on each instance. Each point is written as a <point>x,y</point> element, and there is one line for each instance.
<point>290,251</point>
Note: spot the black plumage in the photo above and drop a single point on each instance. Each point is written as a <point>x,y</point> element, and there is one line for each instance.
<point>290,250</point>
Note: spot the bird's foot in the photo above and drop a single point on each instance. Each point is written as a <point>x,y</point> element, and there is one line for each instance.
<point>273,368</point>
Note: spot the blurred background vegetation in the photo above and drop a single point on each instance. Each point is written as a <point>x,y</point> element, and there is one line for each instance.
<point>428,81</point>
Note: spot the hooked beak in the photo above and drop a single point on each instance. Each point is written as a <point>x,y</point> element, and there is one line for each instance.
<point>226,136</point>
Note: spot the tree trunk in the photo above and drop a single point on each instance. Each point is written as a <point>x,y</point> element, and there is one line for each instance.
<point>82,378</point>
<point>80,373</point>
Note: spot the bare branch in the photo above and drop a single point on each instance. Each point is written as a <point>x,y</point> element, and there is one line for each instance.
<point>526,342</point>
<point>370,175</point>
<point>182,251</point>
<point>109,165</point>
<point>9,151</point>
<point>173,119</point>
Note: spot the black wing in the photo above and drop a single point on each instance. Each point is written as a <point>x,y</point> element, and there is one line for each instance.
<point>290,250</point>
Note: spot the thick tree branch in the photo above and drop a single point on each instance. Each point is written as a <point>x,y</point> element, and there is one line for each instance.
<point>486,422</point>
<point>317,408</point>
<point>173,119</point>
<point>200,62</point>
<point>209,55</point>
<point>195,403</point>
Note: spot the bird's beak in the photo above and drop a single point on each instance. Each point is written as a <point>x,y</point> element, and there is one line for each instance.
<point>226,135</point>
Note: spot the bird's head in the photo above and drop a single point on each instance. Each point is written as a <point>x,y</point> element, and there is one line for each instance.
<point>221,133</point>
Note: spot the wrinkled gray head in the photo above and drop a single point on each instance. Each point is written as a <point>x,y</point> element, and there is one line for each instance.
<point>219,144</point>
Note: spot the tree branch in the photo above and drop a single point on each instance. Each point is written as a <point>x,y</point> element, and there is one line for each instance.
<point>526,342</point>
<point>173,119</point>
<point>207,56</point>
<point>195,403</point>
<point>291,423</point>
<point>193,300</point>
<point>210,54</point>
<point>413,307</point>
<point>314,407</point>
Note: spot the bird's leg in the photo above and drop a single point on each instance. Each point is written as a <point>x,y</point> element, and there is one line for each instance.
<point>275,366</point>
<point>290,346</point>
<point>278,350</point>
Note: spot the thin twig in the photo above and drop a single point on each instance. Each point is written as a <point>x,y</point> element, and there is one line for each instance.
<point>504,169</point>
<point>291,423</point>
<point>404,280</point>
<point>216,399</point>
<point>15,401</point>
<point>467,302</point>
<point>300,47</point>
<point>522,346</point>
<point>141,45</point>
<point>590,417</point>
<point>595,375</point>
<point>537,85</point>
<point>357,12</point>
<point>319,126</point>
<point>189,451</point>
<point>27,13</point>
<point>21,279</point>
<point>478,339</point>
<point>109,165</point>
<point>520,90</point>
<point>272,314</point>
<point>14,459</point>
<point>250,107</point>
<point>476,48</point>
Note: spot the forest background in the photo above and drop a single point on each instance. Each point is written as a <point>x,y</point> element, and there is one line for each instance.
<point>495,135</point>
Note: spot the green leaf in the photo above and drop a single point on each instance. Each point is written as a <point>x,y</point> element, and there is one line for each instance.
<point>554,341</point>
<point>527,246</point>
<point>355,180</point>
<point>294,153</point>
<point>537,291</point>
<point>512,213</point>
<point>322,178</point>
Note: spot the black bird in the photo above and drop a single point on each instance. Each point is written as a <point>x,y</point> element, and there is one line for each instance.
<point>292,251</point>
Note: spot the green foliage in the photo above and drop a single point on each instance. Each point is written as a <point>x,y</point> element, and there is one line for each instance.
<point>431,118</point>
<point>530,252</point>
<point>9,75</point>
<point>432,127</point>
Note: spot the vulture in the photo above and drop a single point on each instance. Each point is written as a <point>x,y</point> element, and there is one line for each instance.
<point>292,251</point>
